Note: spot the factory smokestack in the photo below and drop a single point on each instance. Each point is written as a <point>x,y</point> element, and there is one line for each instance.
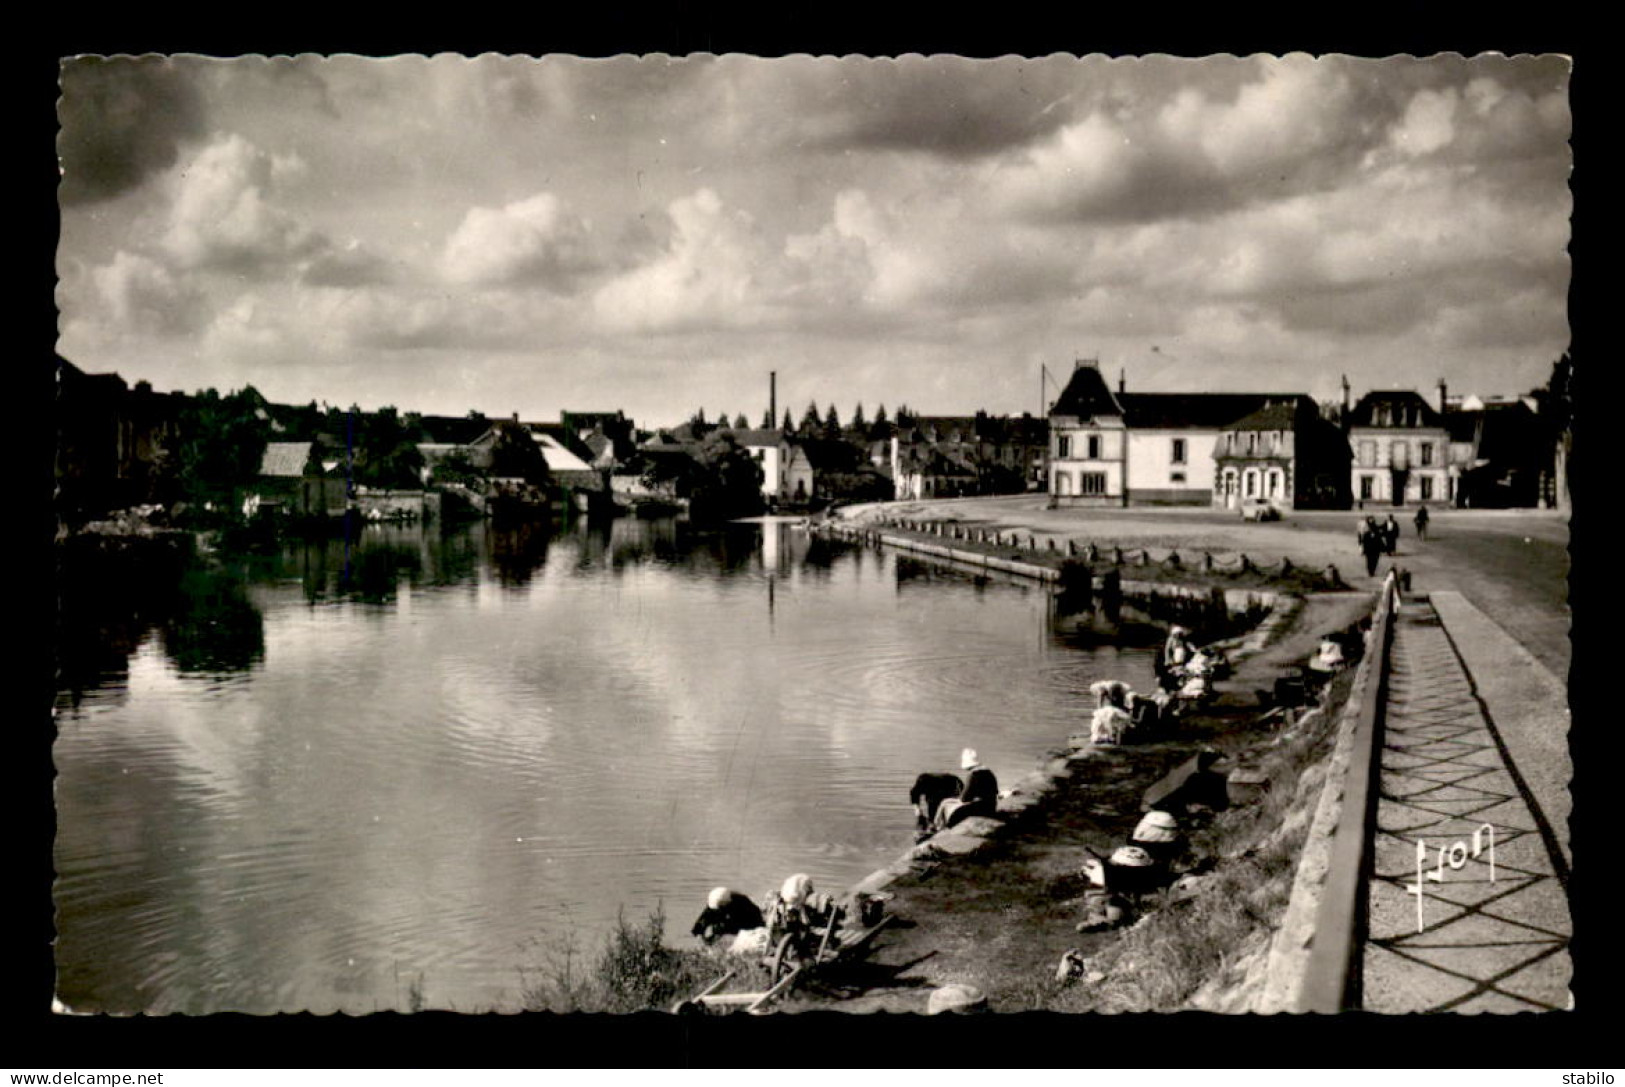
<point>773,397</point>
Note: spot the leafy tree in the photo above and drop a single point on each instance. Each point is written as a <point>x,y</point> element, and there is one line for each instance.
<point>386,451</point>
<point>730,484</point>
<point>1554,401</point>
<point>457,467</point>
<point>740,422</point>
<point>515,454</point>
<point>220,444</point>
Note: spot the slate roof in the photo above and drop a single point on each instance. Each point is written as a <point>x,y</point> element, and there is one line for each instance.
<point>758,437</point>
<point>559,458</point>
<point>1401,403</point>
<point>1086,395</point>
<point>586,420</point>
<point>831,454</point>
<point>285,459</point>
<point>596,444</point>
<point>945,426</point>
<point>1178,411</point>
<point>1276,415</point>
<point>453,429</point>
<point>562,435</point>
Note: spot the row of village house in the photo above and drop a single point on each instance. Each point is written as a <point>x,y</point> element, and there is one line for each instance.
<point>1098,446</point>
<point>1393,447</point>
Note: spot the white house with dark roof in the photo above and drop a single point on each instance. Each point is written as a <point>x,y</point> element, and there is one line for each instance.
<point>1401,447</point>
<point>1172,438</point>
<point>772,453</point>
<point>1149,449</point>
<point>1088,443</point>
<point>1285,454</point>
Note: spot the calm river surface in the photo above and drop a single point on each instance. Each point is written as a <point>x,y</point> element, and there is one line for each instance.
<point>315,780</point>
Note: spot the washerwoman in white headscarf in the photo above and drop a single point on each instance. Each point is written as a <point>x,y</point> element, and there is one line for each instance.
<point>980,795</point>
<point>1111,720</point>
<point>726,913</point>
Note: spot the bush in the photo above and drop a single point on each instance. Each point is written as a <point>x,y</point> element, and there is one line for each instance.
<point>633,971</point>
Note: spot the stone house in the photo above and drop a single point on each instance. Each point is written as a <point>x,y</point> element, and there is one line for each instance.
<point>1124,448</point>
<point>1501,453</point>
<point>111,440</point>
<point>293,480</point>
<point>1401,450</point>
<point>1285,453</point>
<point>1088,442</point>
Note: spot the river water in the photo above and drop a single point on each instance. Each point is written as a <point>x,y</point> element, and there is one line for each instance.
<point>401,768</point>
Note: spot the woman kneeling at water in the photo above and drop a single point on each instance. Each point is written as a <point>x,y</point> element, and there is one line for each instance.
<point>980,795</point>
<point>1111,721</point>
<point>726,913</point>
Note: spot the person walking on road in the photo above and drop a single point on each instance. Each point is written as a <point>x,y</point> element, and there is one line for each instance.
<point>1422,523</point>
<point>1390,534</point>
<point>1372,544</point>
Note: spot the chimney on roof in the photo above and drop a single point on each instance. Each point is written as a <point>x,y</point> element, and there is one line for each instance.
<point>773,396</point>
<point>1443,395</point>
<point>1122,380</point>
<point>1345,396</point>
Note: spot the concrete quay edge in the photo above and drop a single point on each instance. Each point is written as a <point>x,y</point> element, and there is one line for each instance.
<point>1527,706</point>
<point>1287,969</point>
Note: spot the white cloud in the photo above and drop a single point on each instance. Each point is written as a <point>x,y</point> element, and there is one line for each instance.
<point>535,240</point>
<point>716,271</point>
<point>139,295</point>
<point>220,216</point>
<point>1429,122</point>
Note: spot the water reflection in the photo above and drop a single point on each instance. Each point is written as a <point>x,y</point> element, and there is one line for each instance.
<point>212,626</point>
<point>517,550</point>
<point>367,757</point>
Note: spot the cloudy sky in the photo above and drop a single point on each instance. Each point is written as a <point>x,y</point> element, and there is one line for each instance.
<point>656,235</point>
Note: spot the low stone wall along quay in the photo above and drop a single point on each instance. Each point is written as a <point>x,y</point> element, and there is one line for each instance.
<point>1021,555</point>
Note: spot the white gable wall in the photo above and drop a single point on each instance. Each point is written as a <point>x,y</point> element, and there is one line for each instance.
<point>1152,469</point>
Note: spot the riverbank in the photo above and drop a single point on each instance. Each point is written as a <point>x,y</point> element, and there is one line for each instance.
<point>997,910</point>
<point>994,904</point>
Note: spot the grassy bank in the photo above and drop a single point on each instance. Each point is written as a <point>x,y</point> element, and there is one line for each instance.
<point>632,970</point>
<point>1000,918</point>
<point>1204,946</point>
